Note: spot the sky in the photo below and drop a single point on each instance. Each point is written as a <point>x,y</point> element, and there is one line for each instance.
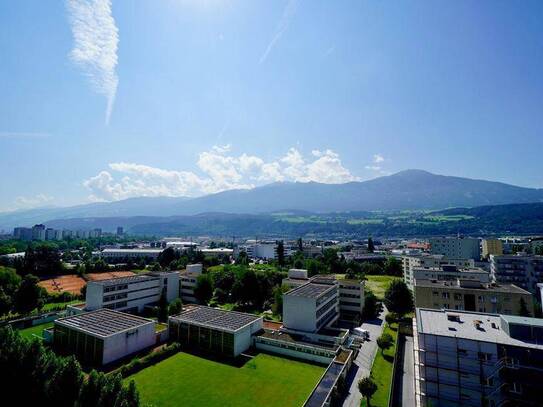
<point>106,100</point>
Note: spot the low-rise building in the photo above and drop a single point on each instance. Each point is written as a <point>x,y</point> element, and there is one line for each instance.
<point>133,293</point>
<point>103,336</point>
<point>477,359</point>
<point>188,279</point>
<point>228,333</point>
<point>469,295</point>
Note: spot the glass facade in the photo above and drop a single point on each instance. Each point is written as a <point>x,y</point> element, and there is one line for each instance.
<point>88,349</point>
<point>203,338</point>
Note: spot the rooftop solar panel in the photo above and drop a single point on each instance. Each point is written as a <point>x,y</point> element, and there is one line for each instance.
<point>216,318</point>
<point>310,290</point>
<point>127,280</point>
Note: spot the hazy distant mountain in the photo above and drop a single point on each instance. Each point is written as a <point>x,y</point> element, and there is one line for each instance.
<point>406,190</point>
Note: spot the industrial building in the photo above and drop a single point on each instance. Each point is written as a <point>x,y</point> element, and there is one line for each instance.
<point>456,247</point>
<point>477,359</point>
<point>132,294</point>
<point>228,333</point>
<point>471,295</point>
<point>103,336</point>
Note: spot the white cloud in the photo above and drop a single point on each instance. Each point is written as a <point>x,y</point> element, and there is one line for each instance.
<point>220,172</point>
<point>288,14</point>
<point>22,202</point>
<point>378,158</point>
<point>95,45</point>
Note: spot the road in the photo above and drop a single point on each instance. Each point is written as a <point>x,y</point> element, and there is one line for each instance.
<point>363,362</point>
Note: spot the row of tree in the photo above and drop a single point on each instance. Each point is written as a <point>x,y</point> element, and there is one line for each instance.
<point>34,375</point>
<point>20,295</point>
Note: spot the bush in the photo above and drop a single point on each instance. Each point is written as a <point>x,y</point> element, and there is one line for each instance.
<point>153,358</point>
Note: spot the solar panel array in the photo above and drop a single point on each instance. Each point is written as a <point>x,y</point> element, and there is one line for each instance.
<point>103,322</point>
<point>216,318</point>
<point>127,280</point>
<point>310,290</point>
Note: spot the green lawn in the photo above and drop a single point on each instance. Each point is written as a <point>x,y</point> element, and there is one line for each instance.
<point>381,372</point>
<point>188,380</point>
<point>35,330</point>
<point>379,284</point>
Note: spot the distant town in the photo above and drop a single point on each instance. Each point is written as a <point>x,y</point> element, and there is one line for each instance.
<point>415,321</point>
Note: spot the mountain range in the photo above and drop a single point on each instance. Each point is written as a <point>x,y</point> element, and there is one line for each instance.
<point>405,190</point>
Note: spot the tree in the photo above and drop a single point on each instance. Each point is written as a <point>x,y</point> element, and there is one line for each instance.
<point>391,317</point>
<point>367,387</point>
<point>175,307</point>
<point>167,256</point>
<point>385,341</point>
<point>371,306</point>
<point>65,384</point>
<point>281,253</point>
<point>162,314</point>
<point>5,302</point>
<point>242,259</point>
<point>398,298</point>
<point>393,267</point>
<point>371,246</point>
<point>278,299</point>
<point>29,295</point>
<point>204,289</point>
<point>524,312</point>
<point>300,244</point>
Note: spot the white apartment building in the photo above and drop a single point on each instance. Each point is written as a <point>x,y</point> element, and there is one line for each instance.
<point>264,250</point>
<point>523,270</point>
<point>431,261</point>
<point>188,279</point>
<point>446,273</point>
<point>132,294</point>
<point>456,247</point>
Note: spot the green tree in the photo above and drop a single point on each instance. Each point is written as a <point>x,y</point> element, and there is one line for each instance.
<point>393,267</point>
<point>367,387</point>
<point>371,305</point>
<point>278,299</point>
<point>281,253</point>
<point>204,289</point>
<point>65,384</point>
<point>242,259</point>
<point>167,256</point>
<point>175,307</point>
<point>371,246</point>
<point>162,313</point>
<point>29,295</point>
<point>385,341</point>
<point>398,298</point>
<point>91,390</point>
<point>300,244</point>
<point>5,302</point>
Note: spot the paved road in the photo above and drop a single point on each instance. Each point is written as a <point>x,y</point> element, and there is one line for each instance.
<point>363,362</point>
<point>408,374</point>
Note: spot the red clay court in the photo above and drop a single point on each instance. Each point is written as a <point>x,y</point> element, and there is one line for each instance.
<point>70,283</point>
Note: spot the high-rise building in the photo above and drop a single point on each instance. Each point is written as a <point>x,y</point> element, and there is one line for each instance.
<point>120,231</point>
<point>38,232</point>
<point>456,247</point>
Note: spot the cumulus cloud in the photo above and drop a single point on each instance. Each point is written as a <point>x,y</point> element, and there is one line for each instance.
<point>288,14</point>
<point>95,45</point>
<point>376,165</point>
<point>378,158</point>
<point>220,171</point>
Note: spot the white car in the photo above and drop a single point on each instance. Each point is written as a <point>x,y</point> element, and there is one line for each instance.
<point>362,333</point>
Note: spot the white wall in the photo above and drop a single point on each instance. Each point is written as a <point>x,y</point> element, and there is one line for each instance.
<point>122,344</point>
<point>299,313</point>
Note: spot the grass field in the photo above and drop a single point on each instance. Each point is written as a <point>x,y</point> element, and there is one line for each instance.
<point>381,372</point>
<point>188,380</point>
<point>35,330</point>
<point>379,284</point>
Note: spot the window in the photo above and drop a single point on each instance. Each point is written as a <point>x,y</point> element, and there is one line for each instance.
<point>458,297</point>
<point>445,295</point>
<point>462,352</point>
<point>485,357</point>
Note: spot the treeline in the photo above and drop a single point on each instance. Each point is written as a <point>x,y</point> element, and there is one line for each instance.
<point>31,374</point>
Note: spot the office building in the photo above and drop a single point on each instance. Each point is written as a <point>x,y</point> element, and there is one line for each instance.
<point>209,329</point>
<point>469,295</point>
<point>120,231</point>
<point>476,359</point>
<point>123,254</point>
<point>491,246</point>
<point>103,336</point>
<point>24,234</point>
<point>445,273</point>
<point>132,294</point>
<point>38,232</point>
<point>188,279</point>
<point>456,247</point>
<point>522,270</point>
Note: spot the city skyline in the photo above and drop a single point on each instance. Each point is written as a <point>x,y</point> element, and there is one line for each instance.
<point>187,98</point>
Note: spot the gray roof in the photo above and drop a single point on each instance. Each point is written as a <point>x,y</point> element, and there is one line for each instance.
<point>453,285</point>
<point>215,318</point>
<point>103,322</point>
<point>436,322</point>
<point>127,280</point>
<point>310,290</point>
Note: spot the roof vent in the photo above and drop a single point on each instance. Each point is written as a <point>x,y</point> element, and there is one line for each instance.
<point>453,317</point>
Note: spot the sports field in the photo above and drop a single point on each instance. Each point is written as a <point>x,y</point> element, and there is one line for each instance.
<point>188,380</point>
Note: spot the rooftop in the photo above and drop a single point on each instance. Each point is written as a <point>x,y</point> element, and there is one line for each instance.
<point>230,321</point>
<point>127,280</point>
<point>103,322</point>
<point>470,285</point>
<point>310,290</point>
<point>473,326</point>
<point>137,250</point>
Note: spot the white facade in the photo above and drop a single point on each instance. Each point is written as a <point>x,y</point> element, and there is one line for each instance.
<point>132,293</point>
<point>431,261</point>
<point>188,279</point>
<point>456,247</point>
<point>130,253</point>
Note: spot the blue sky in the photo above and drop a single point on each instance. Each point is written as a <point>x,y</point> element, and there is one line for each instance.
<point>208,95</point>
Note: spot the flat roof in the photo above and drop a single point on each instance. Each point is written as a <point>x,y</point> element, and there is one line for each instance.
<point>436,322</point>
<point>453,285</point>
<point>230,321</point>
<point>150,250</point>
<point>310,290</point>
<point>103,322</point>
<point>127,280</point>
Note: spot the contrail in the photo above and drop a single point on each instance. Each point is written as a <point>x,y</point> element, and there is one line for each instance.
<point>288,13</point>
<point>95,45</point>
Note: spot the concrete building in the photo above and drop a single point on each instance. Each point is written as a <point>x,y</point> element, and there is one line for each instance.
<point>431,261</point>
<point>217,252</point>
<point>228,333</point>
<point>310,307</point>
<point>475,359</point>
<point>38,232</point>
<point>468,295</point>
<point>24,234</point>
<point>522,270</point>
<point>536,245</point>
<point>262,250</point>
<point>103,336</point>
<point>188,279</point>
<point>132,294</point>
<point>121,254</point>
<point>445,273</point>
<point>456,247</point>
<point>491,246</point>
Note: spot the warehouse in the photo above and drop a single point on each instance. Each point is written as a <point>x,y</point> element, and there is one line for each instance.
<point>103,336</point>
<point>215,330</point>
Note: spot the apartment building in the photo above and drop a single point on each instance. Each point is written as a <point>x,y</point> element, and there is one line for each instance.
<point>469,295</point>
<point>132,294</point>
<point>491,246</point>
<point>188,279</point>
<point>522,270</point>
<point>456,247</point>
<point>477,359</point>
<point>431,261</point>
<point>310,307</point>
<point>445,273</point>
<point>121,254</point>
